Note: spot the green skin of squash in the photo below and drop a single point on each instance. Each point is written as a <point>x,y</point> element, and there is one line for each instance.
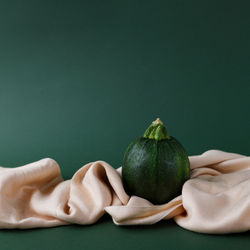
<point>155,166</point>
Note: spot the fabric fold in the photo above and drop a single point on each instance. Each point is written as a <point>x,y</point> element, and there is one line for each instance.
<point>216,199</point>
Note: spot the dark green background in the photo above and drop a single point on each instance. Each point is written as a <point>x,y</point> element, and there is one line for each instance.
<point>80,79</point>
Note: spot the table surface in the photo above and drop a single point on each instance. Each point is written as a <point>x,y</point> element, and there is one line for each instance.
<point>79,80</point>
<point>106,235</point>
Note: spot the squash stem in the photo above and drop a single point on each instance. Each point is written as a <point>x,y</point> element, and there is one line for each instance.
<point>157,131</point>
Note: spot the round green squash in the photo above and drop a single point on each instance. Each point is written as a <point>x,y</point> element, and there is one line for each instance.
<point>155,166</point>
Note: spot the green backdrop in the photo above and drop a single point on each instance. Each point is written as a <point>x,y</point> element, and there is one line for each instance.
<point>80,79</point>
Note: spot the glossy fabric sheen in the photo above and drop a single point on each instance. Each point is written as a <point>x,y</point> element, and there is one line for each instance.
<point>215,200</point>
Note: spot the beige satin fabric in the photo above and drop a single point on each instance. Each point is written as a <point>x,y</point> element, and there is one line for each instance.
<point>215,200</point>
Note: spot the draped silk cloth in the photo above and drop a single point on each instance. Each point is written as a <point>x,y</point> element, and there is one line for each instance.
<point>215,200</point>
